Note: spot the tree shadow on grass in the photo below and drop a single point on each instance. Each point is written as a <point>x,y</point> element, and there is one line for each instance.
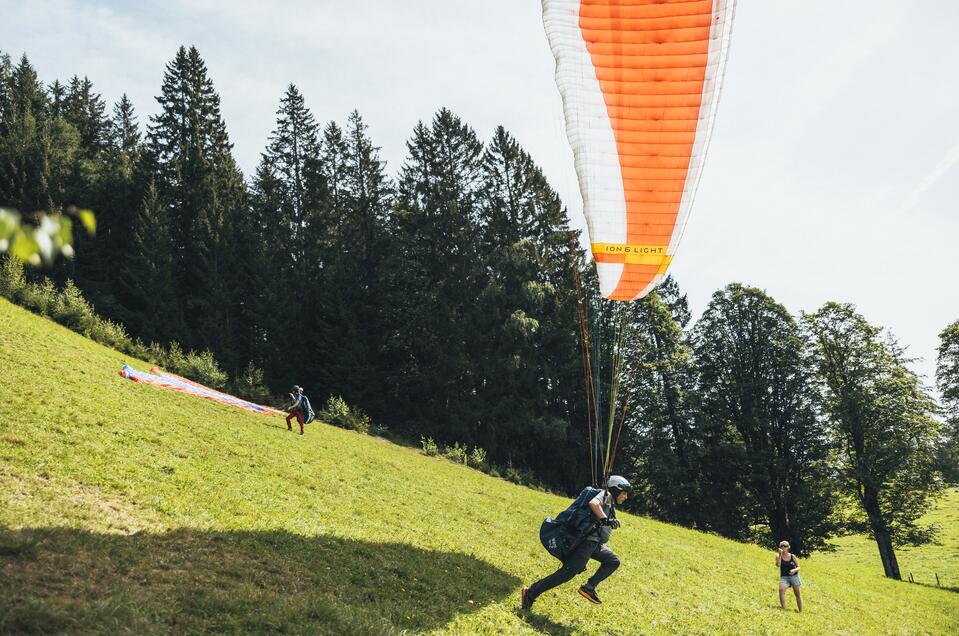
<point>189,581</point>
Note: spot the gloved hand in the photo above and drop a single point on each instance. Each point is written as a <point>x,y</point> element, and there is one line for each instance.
<point>612,522</point>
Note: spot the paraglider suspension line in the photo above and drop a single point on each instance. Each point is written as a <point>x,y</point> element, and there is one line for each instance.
<point>587,365</point>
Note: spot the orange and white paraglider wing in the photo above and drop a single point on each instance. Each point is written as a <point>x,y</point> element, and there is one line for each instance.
<point>640,81</point>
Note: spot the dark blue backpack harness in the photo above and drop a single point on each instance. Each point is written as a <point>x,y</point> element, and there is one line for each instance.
<point>562,535</point>
<point>306,409</point>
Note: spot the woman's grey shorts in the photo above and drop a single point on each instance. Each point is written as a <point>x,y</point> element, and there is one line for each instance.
<point>790,581</point>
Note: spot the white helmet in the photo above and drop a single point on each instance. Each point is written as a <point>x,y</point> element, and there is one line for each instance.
<point>616,484</point>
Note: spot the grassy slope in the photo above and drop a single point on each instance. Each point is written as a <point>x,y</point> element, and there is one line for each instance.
<point>925,562</point>
<point>129,508</point>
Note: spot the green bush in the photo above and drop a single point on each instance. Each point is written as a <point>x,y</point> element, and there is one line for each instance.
<point>135,348</point>
<point>336,411</point>
<point>478,459</point>
<point>513,474</point>
<point>199,367</point>
<point>361,422</point>
<point>521,477</point>
<point>455,453</point>
<point>339,413</point>
<point>461,454</point>
<point>157,354</point>
<point>203,368</point>
<point>112,334</point>
<point>12,279</point>
<point>109,331</point>
<point>430,447</point>
<point>380,430</point>
<point>249,385</point>
<point>173,359</point>
<point>40,298</point>
<point>72,310</point>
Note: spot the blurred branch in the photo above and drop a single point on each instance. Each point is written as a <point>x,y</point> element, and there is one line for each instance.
<point>40,237</point>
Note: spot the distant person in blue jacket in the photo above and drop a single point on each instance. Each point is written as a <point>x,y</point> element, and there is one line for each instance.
<point>590,522</point>
<point>300,409</point>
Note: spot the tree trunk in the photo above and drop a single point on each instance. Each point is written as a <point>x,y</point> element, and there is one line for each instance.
<point>883,540</point>
<point>888,555</point>
<point>798,544</point>
<point>780,529</point>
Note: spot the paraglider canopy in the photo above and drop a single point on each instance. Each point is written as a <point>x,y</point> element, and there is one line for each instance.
<point>640,81</point>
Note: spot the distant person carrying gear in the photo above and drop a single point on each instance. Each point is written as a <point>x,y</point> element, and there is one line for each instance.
<point>578,534</point>
<point>300,409</point>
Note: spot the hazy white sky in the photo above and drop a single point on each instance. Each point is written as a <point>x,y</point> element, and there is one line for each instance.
<point>832,173</point>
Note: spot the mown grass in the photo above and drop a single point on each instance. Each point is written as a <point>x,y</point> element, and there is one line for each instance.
<point>925,563</point>
<point>129,509</point>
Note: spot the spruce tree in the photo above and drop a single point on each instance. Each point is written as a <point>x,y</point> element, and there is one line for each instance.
<point>294,152</point>
<point>83,112</point>
<point>287,194</point>
<point>509,308</point>
<point>57,92</point>
<point>6,85</point>
<point>6,119</point>
<point>370,196</point>
<point>28,92</point>
<point>349,324</point>
<point>525,316</point>
<point>86,111</point>
<point>436,277</point>
<point>120,195</point>
<point>145,283</point>
<point>271,302</point>
<point>322,238</point>
<point>26,166</point>
<point>198,182</point>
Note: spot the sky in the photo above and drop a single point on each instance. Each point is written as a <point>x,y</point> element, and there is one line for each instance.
<point>833,171</point>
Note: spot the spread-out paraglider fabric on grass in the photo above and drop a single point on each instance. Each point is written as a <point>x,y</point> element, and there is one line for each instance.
<point>176,383</point>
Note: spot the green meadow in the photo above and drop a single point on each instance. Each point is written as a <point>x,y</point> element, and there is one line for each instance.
<point>131,509</point>
<point>926,564</point>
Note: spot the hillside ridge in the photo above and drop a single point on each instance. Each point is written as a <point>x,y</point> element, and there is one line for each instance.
<point>126,508</point>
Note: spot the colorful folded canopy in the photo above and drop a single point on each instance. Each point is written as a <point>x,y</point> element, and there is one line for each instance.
<point>177,383</point>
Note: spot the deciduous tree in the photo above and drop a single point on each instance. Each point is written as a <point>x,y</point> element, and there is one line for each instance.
<point>755,381</point>
<point>881,417</point>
